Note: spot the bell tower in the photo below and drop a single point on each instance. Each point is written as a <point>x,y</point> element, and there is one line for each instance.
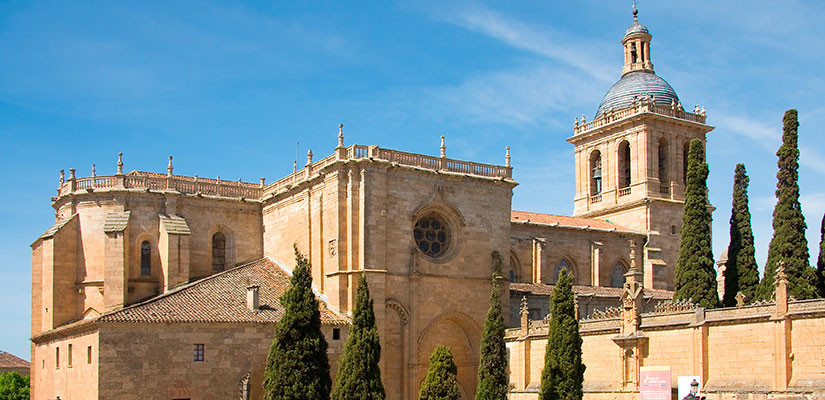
<point>630,160</point>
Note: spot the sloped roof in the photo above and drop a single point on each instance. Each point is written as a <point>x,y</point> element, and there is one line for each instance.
<point>8,360</point>
<point>56,227</point>
<point>175,224</point>
<point>598,291</point>
<point>566,222</point>
<point>221,298</point>
<point>116,221</point>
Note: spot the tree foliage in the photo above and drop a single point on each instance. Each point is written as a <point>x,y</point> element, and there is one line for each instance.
<point>440,382</point>
<point>741,271</point>
<point>820,264</point>
<point>492,369</point>
<point>14,386</point>
<point>359,377</point>
<point>789,244</point>
<point>695,272</point>
<point>297,367</point>
<point>563,373</point>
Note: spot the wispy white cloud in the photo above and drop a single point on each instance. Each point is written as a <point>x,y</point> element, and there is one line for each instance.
<point>769,139</point>
<point>519,96</point>
<point>813,205</point>
<point>584,56</point>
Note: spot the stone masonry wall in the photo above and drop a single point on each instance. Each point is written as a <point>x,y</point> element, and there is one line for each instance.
<point>756,351</point>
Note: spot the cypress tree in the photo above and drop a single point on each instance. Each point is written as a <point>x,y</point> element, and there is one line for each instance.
<point>297,367</point>
<point>492,369</point>
<point>359,377</point>
<point>741,271</point>
<point>820,264</point>
<point>563,373</point>
<point>695,272</point>
<point>440,382</point>
<point>789,243</point>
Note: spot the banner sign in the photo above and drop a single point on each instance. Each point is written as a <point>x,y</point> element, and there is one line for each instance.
<point>654,383</point>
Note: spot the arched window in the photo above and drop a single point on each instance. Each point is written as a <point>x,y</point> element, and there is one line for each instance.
<point>515,269</point>
<point>617,275</point>
<point>595,172</point>
<point>663,178</point>
<point>145,258</point>
<point>624,164</point>
<point>562,263</point>
<point>218,252</point>
<point>633,55</point>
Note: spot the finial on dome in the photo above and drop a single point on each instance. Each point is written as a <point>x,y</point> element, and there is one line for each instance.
<point>635,12</point>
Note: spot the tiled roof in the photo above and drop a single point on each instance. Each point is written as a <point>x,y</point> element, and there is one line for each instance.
<point>8,360</point>
<point>566,222</point>
<point>175,224</point>
<point>598,291</point>
<point>221,298</point>
<point>116,221</point>
<point>56,227</point>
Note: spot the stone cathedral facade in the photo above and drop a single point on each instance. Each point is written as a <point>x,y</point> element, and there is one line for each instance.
<point>160,286</point>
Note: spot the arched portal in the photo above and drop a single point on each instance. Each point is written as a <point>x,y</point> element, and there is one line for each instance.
<point>461,334</point>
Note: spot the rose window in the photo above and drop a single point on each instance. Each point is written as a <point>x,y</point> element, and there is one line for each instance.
<point>432,235</point>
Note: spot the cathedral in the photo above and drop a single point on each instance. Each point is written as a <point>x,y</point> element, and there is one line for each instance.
<point>160,286</point>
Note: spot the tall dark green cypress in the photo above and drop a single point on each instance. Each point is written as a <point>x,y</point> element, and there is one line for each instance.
<point>695,273</point>
<point>741,271</point>
<point>359,377</point>
<point>440,382</point>
<point>492,368</point>
<point>563,373</point>
<point>297,367</point>
<point>820,264</point>
<point>789,244</point>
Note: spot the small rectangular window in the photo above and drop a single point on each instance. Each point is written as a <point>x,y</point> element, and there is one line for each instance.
<point>89,355</point>
<point>57,358</point>
<point>70,356</point>
<point>199,352</point>
<point>336,334</point>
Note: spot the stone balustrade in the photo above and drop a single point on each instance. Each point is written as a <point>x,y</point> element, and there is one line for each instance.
<point>257,191</point>
<point>611,116</point>
<point>360,152</point>
<point>159,182</point>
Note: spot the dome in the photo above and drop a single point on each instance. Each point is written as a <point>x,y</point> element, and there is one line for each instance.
<point>636,28</point>
<point>636,84</point>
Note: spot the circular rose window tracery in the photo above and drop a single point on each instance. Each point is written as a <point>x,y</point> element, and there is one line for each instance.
<point>432,235</point>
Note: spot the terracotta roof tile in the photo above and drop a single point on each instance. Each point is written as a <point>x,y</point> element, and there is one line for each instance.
<point>566,222</point>
<point>598,291</point>
<point>221,298</point>
<point>8,360</point>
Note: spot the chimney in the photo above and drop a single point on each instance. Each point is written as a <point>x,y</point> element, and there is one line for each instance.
<point>252,298</point>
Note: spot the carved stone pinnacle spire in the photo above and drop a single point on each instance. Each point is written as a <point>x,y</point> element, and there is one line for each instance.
<point>340,135</point>
<point>120,163</point>
<point>443,147</point>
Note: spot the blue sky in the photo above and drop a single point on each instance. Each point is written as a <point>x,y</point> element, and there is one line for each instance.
<point>229,89</point>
